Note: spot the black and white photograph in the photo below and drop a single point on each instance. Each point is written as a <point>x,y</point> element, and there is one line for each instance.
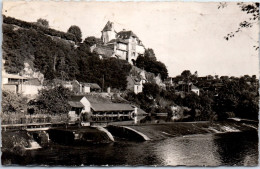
<point>142,83</point>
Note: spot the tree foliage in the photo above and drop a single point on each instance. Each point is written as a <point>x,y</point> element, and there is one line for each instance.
<point>219,99</point>
<point>148,62</point>
<point>58,58</point>
<point>75,30</point>
<point>12,102</point>
<point>252,9</point>
<point>42,22</point>
<point>55,100</point>
<point>149,53</point>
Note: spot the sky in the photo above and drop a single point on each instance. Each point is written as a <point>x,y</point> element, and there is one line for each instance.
<point>183,35</point>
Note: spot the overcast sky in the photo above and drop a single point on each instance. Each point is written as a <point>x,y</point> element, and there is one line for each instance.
<point>184,35</point>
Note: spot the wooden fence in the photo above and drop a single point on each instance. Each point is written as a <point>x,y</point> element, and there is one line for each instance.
<point>27,119</point>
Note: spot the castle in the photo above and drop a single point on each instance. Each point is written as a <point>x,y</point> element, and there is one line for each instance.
<point>122,45</point>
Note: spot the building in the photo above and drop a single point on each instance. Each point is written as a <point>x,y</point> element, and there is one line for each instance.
<point>99,110</point>
<point>122,45</point>
<point>195,89</point>
<point>187,88</point>
<point>12,82</point>
<point>135,84</point>
<point>112,112</point>
<point>23,85</point>
<point>90,87</point>
<point>78,87</point>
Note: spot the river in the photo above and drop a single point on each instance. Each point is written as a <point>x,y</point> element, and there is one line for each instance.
<point>238,148</point>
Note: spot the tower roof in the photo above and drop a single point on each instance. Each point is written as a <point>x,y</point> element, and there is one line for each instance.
<point>125,34</point>
<point>108,26</point>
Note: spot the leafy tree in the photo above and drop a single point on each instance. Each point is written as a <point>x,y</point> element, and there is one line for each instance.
<point>153,66</point>
<point>252,9</point>
<point>149,53</point>
<point>151,90</point>
<point>90,41</point>
<point>55,100</point>
<point>186,74</point>
<point>43,22</point>
<point>12,102</point>
<point>75,30</point>
<point>141,62</point>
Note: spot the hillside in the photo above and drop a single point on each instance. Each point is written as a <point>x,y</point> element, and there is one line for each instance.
<point>55,54</point>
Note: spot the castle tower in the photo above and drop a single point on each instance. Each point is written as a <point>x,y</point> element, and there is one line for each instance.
<point>108,33</point>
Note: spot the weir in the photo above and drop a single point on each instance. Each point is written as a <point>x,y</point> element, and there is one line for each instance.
<point>127,133</point>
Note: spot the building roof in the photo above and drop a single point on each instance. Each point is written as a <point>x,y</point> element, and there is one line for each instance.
<point>135,79</point>
<point>12,76</point>
<point>76,104</point>
<point>111,107</point>
<point>98,99</point>
<point>76,98</point>
<point>125,34</point>
<point>194,87</point>
<point>92,85</point>
<point>117,40</point>
<point>108,26</point>
<point>141,112</point>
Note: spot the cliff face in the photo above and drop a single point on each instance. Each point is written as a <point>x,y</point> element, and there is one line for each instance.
<point>30,72</point>
<point>135,71</point>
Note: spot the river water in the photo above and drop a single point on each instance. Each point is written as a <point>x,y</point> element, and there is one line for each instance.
<point>193,150</point>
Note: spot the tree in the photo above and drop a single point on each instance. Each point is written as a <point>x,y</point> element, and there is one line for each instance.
<point>252,9</point>
<point>12,102</point>
<point>141,62</point>
<point>75,30</point>
<point>151,90</point>
<point>90,41</point>
<point>152,66</point>
<point>186,74</point>
<point>55,100</point>
<point>42,22</point>
<point>186,77</point>
<point>149,53</point>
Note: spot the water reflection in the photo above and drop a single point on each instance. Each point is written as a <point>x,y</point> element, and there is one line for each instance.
<point>237,148</point>
<point>194,150</point>
<point>190,151</point>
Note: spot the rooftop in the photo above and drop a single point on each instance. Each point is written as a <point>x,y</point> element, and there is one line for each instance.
<point>112,107</point>
<point>13,76</point>
<point>125,34</point>
<point>76,104</point>
<point>92,85</point>
<point>108,26</point>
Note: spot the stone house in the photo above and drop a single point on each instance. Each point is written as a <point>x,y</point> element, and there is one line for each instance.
<point>123,45</point>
